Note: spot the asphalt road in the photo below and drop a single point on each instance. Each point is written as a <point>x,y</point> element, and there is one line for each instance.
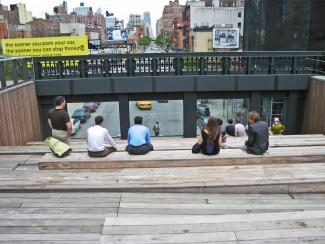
<point>169,115</point>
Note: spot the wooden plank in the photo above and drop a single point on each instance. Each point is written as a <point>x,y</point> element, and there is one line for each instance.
<point>181,158</point>
<point>288,233</point>
<point>231,218</point>
<point>69,204</point>
<point>168,238</point>
<point>211,227</point>
<point>80,216</point>
<point>51,230</point>
<point>58,211</point>
<point>52,222</point>
<point>20,115</point>
<point>167,144</point>
<point>49,237</point>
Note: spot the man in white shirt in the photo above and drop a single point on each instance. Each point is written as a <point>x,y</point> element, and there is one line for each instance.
<point>239,129</point>
<point>99,141</point>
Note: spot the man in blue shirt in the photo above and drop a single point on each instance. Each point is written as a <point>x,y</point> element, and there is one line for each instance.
<point>139,142</point>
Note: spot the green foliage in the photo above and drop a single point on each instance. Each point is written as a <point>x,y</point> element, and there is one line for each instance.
<point>164,42</point>
<point>145,41</point>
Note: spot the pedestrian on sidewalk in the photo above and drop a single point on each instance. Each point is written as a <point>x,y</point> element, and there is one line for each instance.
<point>156,128</point>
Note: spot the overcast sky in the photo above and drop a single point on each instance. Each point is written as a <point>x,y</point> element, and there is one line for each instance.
<point>120,8</point>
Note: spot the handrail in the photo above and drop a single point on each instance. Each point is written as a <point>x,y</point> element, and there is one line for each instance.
<point>201,63</point>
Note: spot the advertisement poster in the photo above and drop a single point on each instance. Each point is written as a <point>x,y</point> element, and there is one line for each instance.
<point>226,38</point>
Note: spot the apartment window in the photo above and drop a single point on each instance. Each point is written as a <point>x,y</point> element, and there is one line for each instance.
<point>239,25</point>
<point>239,14</point>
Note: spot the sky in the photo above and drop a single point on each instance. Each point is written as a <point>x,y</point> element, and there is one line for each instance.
<point>120,8</point>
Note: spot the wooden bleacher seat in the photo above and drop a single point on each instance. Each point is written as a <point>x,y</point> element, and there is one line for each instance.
<point>171,144</point>
<point>183,158</point>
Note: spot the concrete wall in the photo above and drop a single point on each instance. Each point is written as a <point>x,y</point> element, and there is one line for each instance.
<point>203,41</point>
<point>314,112</point>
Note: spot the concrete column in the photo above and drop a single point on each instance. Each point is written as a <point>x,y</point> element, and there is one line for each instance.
<point>190,114</point>
<point>291,126</point>
<point>255,101</point>
<point>124,114</point>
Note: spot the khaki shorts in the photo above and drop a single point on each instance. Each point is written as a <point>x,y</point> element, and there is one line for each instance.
<point>61,135</point>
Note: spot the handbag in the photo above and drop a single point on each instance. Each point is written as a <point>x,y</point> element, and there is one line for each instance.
<point>58,148</point>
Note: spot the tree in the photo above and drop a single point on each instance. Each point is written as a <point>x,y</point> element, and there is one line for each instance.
<point>144,41</point>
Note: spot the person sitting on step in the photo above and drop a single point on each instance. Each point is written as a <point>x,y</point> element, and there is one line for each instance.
<point>210,140</point>
<point>258,135</point>
<point>99,141</point>
<point>139,141</point>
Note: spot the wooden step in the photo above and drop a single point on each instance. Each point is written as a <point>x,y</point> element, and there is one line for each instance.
<point>182,158</point>
<point>264,178</point>
<point>286,227</point>
<point>171,144</point>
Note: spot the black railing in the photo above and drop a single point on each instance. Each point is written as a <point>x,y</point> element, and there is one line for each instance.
<point>157,64</point>
<point>14,71</point>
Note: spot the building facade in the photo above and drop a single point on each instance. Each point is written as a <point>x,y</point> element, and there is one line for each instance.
<point>171,11</point>
<point>284,25</point>
<point>43,28</point>
<point>197,15</point>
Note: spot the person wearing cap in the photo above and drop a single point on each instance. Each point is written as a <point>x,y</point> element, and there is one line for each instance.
<point>277,127</point>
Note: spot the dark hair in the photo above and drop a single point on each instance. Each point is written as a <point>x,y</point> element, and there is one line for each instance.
<point>219,121</point>
<point>230,121</point>
<point>237,120</point>
<point>254,116</point>
<point>213,129</point>
<point>59,100</point>
<point>138,120</point>
<point>99,120</point>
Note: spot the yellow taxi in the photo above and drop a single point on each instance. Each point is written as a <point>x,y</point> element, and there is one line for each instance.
<point>144,105</point>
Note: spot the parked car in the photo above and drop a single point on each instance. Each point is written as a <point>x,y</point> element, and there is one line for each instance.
<point>201,122</point>
<point>90,106</point>
<point>81,114</point>
<point>203,110</point>
<point>144,105</point>
<point>75,126</point>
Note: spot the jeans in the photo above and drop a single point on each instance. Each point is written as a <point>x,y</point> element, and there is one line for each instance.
<point>140,150</point>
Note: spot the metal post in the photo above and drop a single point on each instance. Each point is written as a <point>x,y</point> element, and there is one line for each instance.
<point>83,69</point>
<point>294,65</point>
<point>60,69</point>
<point>3,75</point>
<point>190,114</point>
<point>249,65</point>
<point>154,66</point>
<point>14,71</point>
<point>255,101</point>
<point>291,126</point>
<point>226,65</point>
<point>271,65</point>
<point>202,66</point>
<point>44,111</point>
<point>124,115</point>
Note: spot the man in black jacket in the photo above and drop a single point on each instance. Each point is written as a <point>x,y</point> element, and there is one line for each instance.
<point>258,135</point>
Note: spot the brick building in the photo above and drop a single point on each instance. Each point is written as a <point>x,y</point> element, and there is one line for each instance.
<point>43,28</point>
<point>171,11</point>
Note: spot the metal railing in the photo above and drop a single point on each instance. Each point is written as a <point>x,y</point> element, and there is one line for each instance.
<point>16,70</point>
<point>157,64</point>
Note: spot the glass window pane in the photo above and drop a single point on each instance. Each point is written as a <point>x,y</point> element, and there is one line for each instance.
<point>109,111</point>
<point>168,113</point>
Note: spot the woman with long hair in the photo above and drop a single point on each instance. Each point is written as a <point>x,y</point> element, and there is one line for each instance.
<point>210,140</point>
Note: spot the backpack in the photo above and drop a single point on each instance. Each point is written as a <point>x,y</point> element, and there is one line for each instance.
<point>57,147</point>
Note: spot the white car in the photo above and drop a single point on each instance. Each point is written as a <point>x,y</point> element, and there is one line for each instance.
<point>75,126</point>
